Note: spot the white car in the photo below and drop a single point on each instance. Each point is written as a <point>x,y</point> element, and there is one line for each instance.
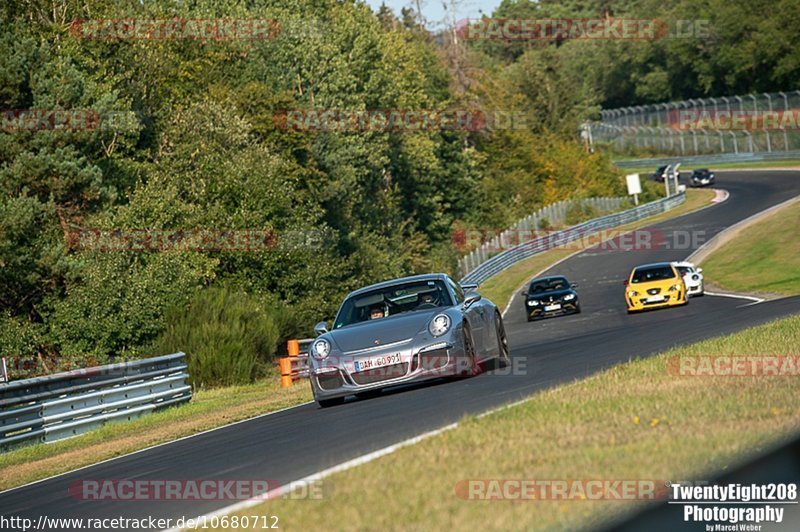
<point>692,277</point>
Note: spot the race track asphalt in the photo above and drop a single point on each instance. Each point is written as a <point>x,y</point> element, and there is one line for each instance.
<point>292,444</point>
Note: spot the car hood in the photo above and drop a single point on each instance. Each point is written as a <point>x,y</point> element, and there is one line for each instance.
<point>385,330</point>
<point>554,293</point>
<point>661,283</point>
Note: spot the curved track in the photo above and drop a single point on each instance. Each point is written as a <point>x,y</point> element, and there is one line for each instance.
<point>292,444</point>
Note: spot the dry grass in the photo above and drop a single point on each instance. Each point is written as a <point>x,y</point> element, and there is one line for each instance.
<point>207,410</point>
<point>634,421</point>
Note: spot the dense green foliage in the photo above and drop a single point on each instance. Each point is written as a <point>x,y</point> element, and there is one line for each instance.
<point>229,337</point>
<point>709,48</point>
<point>187,140</point>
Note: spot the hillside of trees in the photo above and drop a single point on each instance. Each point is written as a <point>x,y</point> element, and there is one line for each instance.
<point>188,140</point>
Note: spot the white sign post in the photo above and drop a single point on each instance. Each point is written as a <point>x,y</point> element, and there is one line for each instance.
<point>634,186</point>
<point>3,370</point>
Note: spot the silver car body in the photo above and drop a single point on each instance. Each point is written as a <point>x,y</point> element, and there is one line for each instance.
<point>400,348</point>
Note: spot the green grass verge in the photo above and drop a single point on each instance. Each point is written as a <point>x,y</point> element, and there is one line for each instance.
<point>633,421</point>
<point>764,257</point>
<point>500,288</point>
<point>208,409</point>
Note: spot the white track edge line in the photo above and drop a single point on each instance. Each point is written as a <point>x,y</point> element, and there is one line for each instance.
<point>349,464</point>
<point>162,444</point>
<point>735,296</point>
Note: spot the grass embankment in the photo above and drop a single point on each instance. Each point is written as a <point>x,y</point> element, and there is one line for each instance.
<point>633,421</point>
<point>763,257</point>
<point>208,409</point>
<point>502,286</point>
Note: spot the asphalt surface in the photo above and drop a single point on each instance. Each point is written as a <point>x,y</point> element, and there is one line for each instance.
<point>292,444</point>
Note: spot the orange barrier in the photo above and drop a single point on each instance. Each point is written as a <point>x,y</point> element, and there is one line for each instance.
<point>294,366</point>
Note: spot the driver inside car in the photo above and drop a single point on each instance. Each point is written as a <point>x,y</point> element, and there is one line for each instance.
<point>376,313</point>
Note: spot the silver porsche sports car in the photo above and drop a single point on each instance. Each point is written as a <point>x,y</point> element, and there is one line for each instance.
<point>407,330</point>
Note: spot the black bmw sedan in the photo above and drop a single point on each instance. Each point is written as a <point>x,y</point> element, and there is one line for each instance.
<point>550,296</point>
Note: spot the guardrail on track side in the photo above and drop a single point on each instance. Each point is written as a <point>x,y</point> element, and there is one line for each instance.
<point>723,158</point>
<point>508,258</point>
<point>54,407</point>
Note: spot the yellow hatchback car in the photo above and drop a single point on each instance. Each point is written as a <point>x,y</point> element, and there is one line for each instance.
<point>654,286</point>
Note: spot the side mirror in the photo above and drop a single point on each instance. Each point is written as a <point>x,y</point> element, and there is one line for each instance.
<point>321,327</point>
<point>574,285</point>
<point>471,297</point>
<point>523,293</point>
<point>699,270</point>
<point>625,282</point>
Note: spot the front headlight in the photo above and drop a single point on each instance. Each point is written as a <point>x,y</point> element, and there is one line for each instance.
<point>321,349</point>
<point>439,325</point>
<point>633,293</point>
<point>674,287</point>
<point>533,302</point>
<point>569,297</point>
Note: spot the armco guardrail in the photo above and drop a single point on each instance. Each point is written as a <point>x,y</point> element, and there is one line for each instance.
<point>522,251</point>
<point>555,213</point>
<point>295,366</point>
<point>45,409</point>
<point>706,160</point>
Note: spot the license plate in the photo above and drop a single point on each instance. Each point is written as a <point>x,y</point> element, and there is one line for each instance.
<point>377,362</point>
<point>655,299</point>
<point>548,308</point>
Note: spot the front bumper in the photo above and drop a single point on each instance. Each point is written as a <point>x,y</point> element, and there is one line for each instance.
<point>538,312</point>
<point>341,378</point>
<point>639,302</point>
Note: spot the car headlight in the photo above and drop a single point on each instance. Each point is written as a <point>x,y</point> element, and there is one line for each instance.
<point>569,297</point>
<point>674,287</point>
<point>633,293</point>
<point>439,325</point>
<point>533,303</point>
<point>695,277</point>
<point>321,348</point>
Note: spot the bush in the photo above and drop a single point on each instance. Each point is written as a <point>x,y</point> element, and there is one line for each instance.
<point>229,337</point>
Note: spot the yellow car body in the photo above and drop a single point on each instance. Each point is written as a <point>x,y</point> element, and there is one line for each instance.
<point>655,285</point>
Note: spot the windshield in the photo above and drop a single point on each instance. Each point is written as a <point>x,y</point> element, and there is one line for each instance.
<point>657,273</point>
<point>548,285</point>
<point>392,300</point>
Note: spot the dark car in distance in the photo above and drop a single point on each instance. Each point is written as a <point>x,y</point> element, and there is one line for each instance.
<point>550,296</point>
<point>702,177</point>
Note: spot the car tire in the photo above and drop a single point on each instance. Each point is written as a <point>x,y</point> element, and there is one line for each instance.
<point>325,403</point>
<point>504,358</point>
<point>469,353</point>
